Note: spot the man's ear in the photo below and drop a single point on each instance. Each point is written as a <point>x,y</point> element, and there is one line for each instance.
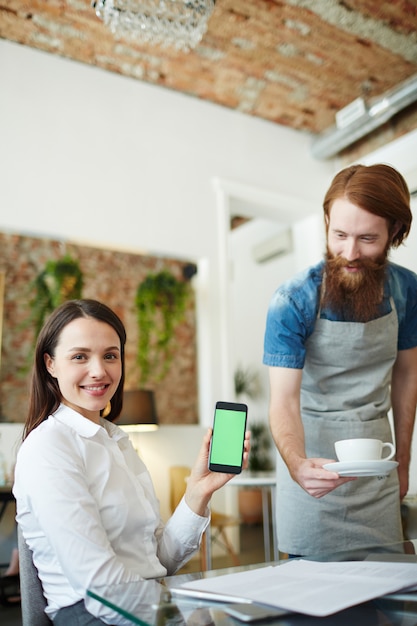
<point>49,364</point>
<point>396,227</point>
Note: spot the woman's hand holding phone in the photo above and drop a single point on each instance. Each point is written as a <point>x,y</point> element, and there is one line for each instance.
<point>203,482</point>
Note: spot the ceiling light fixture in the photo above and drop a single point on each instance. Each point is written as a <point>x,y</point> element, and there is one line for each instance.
<point>177,23</point>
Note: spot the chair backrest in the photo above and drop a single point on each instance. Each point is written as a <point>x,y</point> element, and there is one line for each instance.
<point>32,599</point>
<point>178,475</point>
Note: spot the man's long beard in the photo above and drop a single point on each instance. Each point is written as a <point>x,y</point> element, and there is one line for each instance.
<point>355,296</point>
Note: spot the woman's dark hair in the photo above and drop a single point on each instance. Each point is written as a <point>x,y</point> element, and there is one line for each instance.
<point>379,189</point>
<point>45,396</point>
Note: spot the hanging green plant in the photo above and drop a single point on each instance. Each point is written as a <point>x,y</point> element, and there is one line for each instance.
<point>59,281</point>
<point>161,302</point>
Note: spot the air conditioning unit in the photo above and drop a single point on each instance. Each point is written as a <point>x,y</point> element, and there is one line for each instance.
<point>274,247</point>
<point>351,113</point>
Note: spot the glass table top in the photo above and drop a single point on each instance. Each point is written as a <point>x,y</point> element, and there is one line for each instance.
<point>151,603</point>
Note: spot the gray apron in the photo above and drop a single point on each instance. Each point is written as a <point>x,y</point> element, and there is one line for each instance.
<point>345,393</point>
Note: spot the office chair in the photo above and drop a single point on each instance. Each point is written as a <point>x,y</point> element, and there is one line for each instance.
<point>219,521</point>
<point>33,601</point>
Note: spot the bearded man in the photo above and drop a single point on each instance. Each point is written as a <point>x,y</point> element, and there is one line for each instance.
<point>341,346</point>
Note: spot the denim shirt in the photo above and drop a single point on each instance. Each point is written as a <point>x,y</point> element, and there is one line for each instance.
<point>294,308</point>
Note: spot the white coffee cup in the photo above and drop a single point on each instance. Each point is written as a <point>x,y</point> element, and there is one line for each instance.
<point>363,450</point>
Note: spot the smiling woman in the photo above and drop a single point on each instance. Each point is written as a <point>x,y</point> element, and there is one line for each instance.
<point>70,453</point>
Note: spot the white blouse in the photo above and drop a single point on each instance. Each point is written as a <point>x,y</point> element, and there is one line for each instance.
<point>88,511</point>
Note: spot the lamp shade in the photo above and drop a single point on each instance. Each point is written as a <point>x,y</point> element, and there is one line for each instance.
<point>139,412</point>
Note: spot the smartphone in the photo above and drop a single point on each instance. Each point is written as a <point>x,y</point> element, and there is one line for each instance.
<point>227,442</point>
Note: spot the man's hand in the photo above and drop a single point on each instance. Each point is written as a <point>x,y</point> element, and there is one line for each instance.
<point>316,480</point>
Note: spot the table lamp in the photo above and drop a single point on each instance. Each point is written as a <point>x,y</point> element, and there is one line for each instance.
<point>138,413</point>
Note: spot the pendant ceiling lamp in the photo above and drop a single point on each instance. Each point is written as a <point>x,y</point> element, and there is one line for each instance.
<point>177,23</point>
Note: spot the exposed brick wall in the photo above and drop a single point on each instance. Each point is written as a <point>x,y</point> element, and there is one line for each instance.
<point>109,276</point>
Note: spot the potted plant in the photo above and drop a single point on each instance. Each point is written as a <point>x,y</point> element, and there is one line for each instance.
<point>161,301</point>
<point>60,280</point>
<point>261,443</point>
<point>247,382</point>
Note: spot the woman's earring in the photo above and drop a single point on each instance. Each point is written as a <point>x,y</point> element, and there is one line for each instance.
<point>106,410</point>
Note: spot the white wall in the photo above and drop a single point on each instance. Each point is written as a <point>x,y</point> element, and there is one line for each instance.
<point>98,158</point>
<point>252,285</point>
<point>245,286</point>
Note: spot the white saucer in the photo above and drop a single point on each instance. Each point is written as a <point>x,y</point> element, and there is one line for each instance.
<point>362,468</point>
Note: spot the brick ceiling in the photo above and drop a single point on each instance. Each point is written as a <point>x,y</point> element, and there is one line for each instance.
<point>292,62</point>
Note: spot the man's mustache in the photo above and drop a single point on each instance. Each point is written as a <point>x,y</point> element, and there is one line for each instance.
<point>339,262</point>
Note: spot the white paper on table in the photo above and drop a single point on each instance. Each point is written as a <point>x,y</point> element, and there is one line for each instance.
<point>307,587</point>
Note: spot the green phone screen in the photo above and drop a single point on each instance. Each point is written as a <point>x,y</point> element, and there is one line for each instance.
<point>228,437</point>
